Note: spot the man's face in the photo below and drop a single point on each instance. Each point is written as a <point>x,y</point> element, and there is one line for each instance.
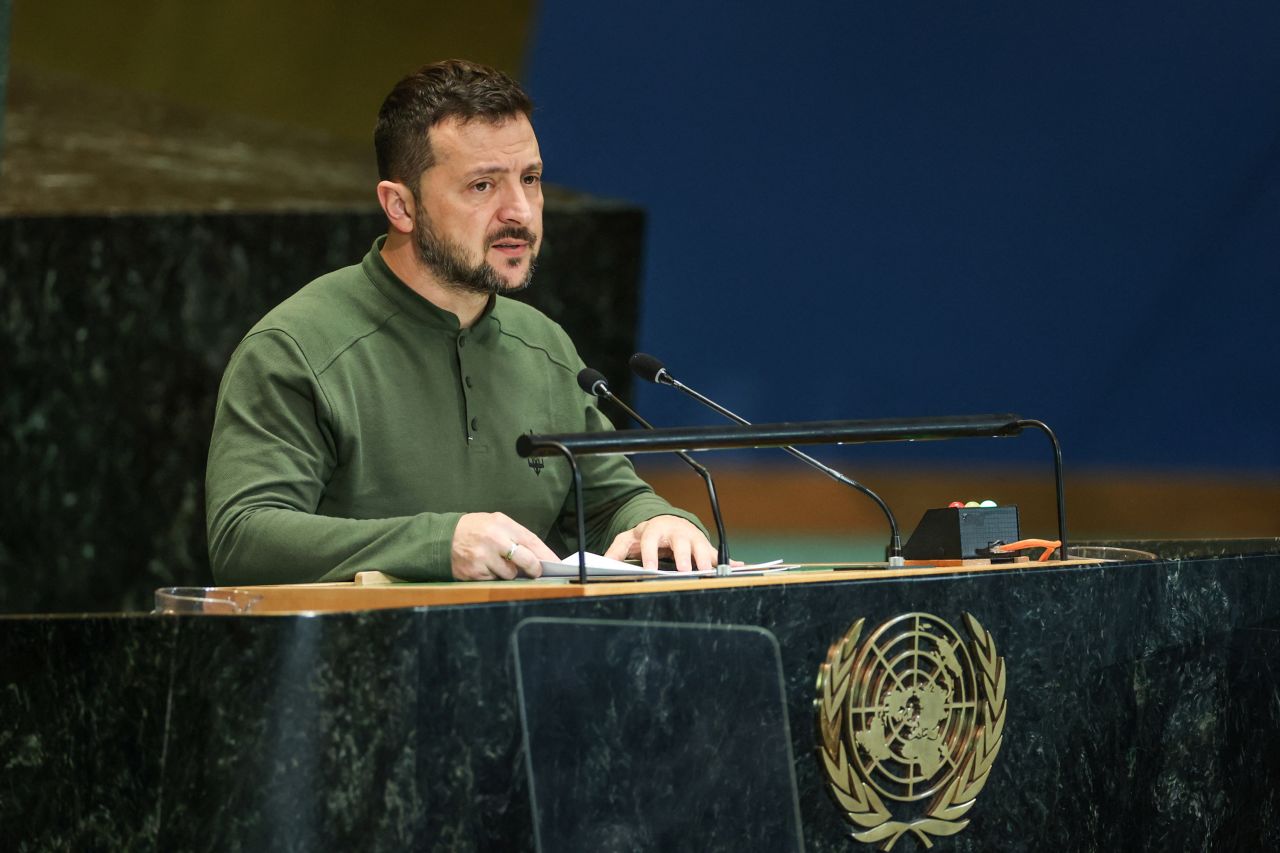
<point>479,214</point>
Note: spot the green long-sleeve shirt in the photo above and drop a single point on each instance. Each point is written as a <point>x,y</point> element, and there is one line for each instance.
<point>356,422</point>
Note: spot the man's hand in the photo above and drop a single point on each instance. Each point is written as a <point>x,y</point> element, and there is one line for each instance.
<point>668,535</point>
<point>489,545</point>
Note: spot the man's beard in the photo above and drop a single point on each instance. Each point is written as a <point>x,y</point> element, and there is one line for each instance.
<point>448,260</point>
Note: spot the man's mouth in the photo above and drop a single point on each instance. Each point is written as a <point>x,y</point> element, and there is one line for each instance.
<point>513,242</point>
<point>512,250</point>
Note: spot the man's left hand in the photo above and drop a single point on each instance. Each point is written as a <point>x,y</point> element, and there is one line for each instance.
<point>667,536</point>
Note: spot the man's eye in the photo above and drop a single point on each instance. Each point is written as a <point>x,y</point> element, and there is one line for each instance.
<point>531,180</point>
<point>481,186</point>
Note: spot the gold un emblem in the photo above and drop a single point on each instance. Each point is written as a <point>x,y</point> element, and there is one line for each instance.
<point>913,714</point>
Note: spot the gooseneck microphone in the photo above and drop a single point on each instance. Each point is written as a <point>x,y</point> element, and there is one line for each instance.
<point>650,369</point>
<point>593,382</point>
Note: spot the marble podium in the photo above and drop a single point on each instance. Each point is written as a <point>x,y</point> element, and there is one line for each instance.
<point>1143,714</point>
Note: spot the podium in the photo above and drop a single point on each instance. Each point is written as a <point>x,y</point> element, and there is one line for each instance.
<point>1140,713</point>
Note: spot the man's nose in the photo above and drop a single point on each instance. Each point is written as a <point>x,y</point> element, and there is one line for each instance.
<point>515,207</point>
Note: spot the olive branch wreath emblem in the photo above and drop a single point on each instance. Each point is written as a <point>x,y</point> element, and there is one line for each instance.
<point>846,780</point>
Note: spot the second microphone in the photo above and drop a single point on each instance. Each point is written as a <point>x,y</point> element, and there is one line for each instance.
<point>594,383</point>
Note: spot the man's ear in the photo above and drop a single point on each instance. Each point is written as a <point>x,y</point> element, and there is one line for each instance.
<point>397,204</point>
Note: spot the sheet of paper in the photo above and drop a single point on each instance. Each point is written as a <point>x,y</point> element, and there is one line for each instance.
<point>603,567</point>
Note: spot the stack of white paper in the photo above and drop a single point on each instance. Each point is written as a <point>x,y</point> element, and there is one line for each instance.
<point>603,567</point>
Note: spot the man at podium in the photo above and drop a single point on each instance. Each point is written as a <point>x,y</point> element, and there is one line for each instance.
<point>369,421</point>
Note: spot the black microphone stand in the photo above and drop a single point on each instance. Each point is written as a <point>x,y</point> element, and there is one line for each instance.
<point>812,432</point>
<point>593,382</point>
<point>649,368</point>
<point>577,504</point>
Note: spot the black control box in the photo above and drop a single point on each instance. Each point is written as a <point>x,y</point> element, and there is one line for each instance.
<point>960,533</point>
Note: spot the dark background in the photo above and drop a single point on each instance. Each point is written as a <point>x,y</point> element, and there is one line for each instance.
<point>1066,210</point>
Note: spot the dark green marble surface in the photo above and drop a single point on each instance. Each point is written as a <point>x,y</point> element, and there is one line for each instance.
<point>114,331</point>
<point>1143,714</point>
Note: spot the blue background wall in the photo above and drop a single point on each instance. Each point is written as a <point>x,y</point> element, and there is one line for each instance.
<point>1070,211</point>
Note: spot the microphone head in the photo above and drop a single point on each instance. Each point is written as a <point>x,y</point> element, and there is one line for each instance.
<point>647,367</point>
<point>593,382</point>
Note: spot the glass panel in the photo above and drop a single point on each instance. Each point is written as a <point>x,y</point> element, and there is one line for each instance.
<point>655,736</point>
<point>1106,552</point>
<point>206,600</point>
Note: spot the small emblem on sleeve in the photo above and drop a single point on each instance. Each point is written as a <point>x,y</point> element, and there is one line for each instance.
<point>537,463</point>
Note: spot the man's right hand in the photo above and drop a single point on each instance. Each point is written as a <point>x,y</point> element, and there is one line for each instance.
<point>482,549</point>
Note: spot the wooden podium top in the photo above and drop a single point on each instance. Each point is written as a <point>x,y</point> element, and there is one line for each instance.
<point>366,595</point>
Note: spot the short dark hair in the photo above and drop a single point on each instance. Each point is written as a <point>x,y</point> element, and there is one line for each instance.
<point>454,88</point>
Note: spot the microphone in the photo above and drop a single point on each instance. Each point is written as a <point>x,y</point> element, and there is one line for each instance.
<point>651,369</point>
<point>593,382</point>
